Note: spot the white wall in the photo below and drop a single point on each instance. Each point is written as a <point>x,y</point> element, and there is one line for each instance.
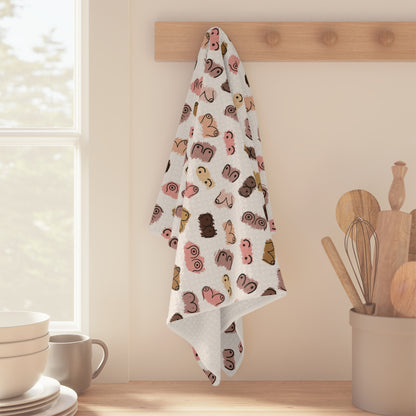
<point>326,128</point>
<point>109,182</point>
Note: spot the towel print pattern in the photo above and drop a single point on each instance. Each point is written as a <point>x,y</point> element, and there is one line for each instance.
<point>214,209</point>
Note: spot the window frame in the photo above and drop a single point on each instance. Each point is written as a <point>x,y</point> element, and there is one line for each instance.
<point>76,137</point>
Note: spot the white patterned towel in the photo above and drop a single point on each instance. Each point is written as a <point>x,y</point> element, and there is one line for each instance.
<point>214,209</point>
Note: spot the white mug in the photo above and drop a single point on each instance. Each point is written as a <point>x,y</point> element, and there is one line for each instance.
<point>69,360</point>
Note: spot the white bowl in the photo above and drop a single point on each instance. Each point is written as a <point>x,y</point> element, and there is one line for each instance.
<point>22,325</point>
<point>30,346</point>
<point>18,374</point>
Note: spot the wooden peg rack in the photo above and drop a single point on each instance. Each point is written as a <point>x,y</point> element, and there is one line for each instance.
<point>293,41</point>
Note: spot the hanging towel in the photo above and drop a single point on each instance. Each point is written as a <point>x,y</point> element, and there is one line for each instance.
<point>214,209</point>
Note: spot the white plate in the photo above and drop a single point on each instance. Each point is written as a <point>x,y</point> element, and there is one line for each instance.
<point>70,411</point>
<point>45,388</point>
<point>30,407</point>
<point>33,409</point>
<point>67,402</point>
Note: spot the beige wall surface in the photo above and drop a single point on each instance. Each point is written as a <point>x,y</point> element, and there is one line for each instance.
<point>326,128</point>
<point>109,183</point>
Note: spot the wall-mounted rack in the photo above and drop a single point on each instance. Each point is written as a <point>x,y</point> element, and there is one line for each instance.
<point>293,41</point>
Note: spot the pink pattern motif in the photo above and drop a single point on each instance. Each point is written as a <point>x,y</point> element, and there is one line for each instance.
<point>171,189</point>
<point>260,162</point>
<point>233,63</point>
<point>194,262</point>
<point>246,251</point>
<point>246,284</point>
<point>190,190</point>
<point>229,142</point>
<point>214,297</point>
<point>166,233</point>
<point>214,39</point>
<point>196,86</point>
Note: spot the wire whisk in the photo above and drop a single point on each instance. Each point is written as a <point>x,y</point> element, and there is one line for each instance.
<point>362,247</point>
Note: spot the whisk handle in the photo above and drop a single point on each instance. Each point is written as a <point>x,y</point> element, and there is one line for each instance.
<point>342,274</point>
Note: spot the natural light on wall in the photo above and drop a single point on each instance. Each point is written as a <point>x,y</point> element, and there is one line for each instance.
<point>40,134</point>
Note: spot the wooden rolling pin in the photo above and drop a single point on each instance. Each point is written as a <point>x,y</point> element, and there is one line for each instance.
<point>343,275</point>
<point>393,231</point>
<point>412,245</point>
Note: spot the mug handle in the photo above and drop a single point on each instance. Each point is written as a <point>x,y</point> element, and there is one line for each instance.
<point>104,359</point>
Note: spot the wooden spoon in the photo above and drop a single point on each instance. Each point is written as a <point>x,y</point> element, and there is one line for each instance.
<point>358,203</point>
<point>403,290</point>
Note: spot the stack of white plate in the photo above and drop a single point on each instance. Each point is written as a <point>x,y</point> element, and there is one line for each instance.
<point>46,398</point>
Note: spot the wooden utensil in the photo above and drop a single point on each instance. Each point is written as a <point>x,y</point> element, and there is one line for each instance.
<point>412,243</point>
<point>403,290</point>
<point>356,203</point>
<point>393,230</point>
<point>342,274</point>
<point>362,204</point>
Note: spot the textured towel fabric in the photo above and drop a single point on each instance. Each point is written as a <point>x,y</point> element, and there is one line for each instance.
<point>214,209</point>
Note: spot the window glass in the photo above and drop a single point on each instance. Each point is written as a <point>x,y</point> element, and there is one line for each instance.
<point>36,64</point>
<point>37,229</point>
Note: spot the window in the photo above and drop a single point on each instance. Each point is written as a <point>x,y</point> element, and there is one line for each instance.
<point>42,146</point>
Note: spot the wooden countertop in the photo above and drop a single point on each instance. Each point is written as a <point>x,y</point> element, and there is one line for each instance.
<point>242,398</point>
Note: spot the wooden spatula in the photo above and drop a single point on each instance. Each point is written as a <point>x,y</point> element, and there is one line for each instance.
<point>358,203</point>
<point>403,290</point>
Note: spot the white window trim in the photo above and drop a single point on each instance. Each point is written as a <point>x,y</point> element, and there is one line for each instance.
<point>76,137</point>
<point>81,181</point>
<point>103,140</point>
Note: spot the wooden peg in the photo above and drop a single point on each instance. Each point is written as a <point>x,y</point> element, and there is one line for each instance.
<point>386,37</point>
<point>272,38</point>
<point>397,192</point>
<point>329,38</point>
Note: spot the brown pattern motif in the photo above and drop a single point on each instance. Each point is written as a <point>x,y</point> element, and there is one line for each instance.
<point>191,303</point>
<point>186,111</point>
<point>206,225</point>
